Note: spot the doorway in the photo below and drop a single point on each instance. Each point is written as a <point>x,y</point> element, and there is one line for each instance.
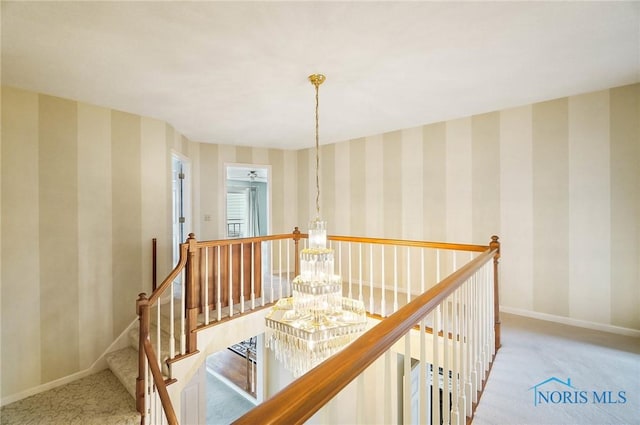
<point>247,200</point>
<point>181,205</point>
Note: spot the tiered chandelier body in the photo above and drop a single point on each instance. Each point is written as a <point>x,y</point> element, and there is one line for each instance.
<point>316,321</point>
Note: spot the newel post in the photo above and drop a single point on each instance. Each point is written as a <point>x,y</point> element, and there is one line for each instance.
<point>142,309</point>
<point>192,295</point>
<point>296,241</point>
<point>496,299</point>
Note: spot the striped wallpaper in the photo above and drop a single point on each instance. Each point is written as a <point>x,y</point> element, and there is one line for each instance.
<point>84,191</point>
<point>558,181</point>
<point>86,188</point>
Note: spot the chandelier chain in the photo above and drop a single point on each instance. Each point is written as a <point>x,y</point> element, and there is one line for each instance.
<point>317,156</point>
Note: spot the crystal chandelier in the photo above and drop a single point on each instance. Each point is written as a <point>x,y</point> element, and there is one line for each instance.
<point>316,321</point>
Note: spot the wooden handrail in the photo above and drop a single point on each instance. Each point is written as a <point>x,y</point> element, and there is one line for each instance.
<point>222,242</point>
<point>411,243</point>
<point>296,403</point>
<point>161,386</point>
<point>182,262</point>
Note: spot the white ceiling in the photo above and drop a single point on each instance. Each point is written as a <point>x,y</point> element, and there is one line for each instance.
<point>236,72</point>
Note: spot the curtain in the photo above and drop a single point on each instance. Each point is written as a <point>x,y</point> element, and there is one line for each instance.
<point>253,227</point>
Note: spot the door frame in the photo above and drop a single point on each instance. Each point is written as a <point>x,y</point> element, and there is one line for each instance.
<point>187,226</point>
<point>223,191</point>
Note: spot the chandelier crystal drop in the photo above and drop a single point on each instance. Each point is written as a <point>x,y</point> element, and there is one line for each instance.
<point>316,321</point>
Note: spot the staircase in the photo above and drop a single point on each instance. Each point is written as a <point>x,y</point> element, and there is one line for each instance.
<point>124,362</point>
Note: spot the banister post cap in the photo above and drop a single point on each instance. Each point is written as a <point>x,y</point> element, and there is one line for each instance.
<point>142,300</point>
<point>495,244</point>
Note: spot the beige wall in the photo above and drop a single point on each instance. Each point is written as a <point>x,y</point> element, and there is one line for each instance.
<point>210,162</point>
<point>84,191</point>
<point>558,181</point>
<point>85,188</point>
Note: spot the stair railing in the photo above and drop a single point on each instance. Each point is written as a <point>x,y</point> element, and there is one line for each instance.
<point>213,281</point>
<point>218,280</point>
<point>148,391</point>
<point>452,329</point>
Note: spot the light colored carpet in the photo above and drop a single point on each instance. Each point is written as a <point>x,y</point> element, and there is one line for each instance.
<point>95,400</point>
<point>534,351</point>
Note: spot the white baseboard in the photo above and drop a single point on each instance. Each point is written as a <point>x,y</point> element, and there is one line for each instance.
<point>45,387</point>
<point>572,322</point>
<point>97,366</point>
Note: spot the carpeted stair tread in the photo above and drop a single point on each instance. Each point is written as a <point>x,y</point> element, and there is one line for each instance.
<point>124,364</point>
<point>134,340</point>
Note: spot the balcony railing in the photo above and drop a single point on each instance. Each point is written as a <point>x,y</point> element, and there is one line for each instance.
<point>436,304</point>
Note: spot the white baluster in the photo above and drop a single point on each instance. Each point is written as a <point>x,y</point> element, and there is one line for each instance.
<point>455,261</point>
<point>271,269</point>
<point>172,316</point>
<point>183,310</point>
<point>360,297</point>
<point>280,289</point>
<point>218,285</point>
<point>446,410</point>
<point>253,276</point>
<point>466,391</point>
<point>483,322</point>
<point>230,280</point>
<point>241,278</point>
<point>454,359</point>
<point>371,303</point>
<point>477,367</point>
<point>288,264</point>
<point>406,393</point>
<point>395,278</point>
<point>437,265</point>
<point>158,346</point>
<point>383,300</point>
<point>492,342</point>
<point>339,249</point>
<point>422,281</point>
<point>488,321</point>
<point>424,375</point>
<point>390,385</point>
<point>408,279</point>
<point>350,274</point>
<point>435,368</point>
<point>206,285</point>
